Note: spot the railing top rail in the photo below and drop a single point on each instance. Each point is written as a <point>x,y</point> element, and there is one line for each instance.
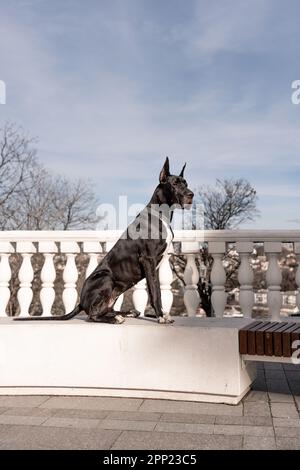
<point>179,235</point>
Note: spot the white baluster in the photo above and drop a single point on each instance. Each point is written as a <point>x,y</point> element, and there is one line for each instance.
<point>297,276</point>
<point>48,275</point>
<point>191,296</point>
<point>93,249</point>
<point>118,303</point>
<point>70,275</point>
<point>5,275</point>
<point>26,274</point>
<point>166,279</point>
<point>140,297</point>
<point>274,278</point>
<point>218,278</point>
<point>245,278</point>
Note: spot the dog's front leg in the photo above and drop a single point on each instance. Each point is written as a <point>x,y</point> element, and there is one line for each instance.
<point>151,274</point>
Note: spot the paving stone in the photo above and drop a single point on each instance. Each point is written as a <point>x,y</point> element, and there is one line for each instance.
<point>83,423</point>
<point>168,406</point>
<point>287,443</point>
<point>281,397</point>
<point>284,410</point>
<point>126,425</point>
<point>256,409</point>
<point>245,420</point>
<point>256,395</point>
<point>92,414</point>
<point>272,366</point>
<point>22,401</point>
<point>259,385</point>
<point>43,437</point>
<point>94,403</point>
<point>275,374</point>
<point>2,410</point>
<point>287,431</point>
<point>26,420</point>
<point>287,422</point>
<point>29,412</point>
<point>185,428</point>
<point>134,415</point>
<point>243,430</point>
<point>295,388</point>
<point>293,367</point>
<point>188,418</point>
<point>278,386</point>
<point>297,399</point>
<point>159,440</point>
<point>259,443</point>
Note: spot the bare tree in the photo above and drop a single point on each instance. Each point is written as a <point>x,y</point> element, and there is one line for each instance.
<point>228,204</point>
<point>31,198</point>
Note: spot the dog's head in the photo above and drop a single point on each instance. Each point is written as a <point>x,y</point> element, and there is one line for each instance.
<point>176,187</point>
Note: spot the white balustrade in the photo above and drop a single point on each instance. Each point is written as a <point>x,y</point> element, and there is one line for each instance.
<point>70,275</point>
<point>166,279</point>
<point>140,297</point>
<point>218,278</point>
<point>5,275</point>
<point>245,278</point>
<point>48,275</point>
<point>274,278</point>
<point>93,249</point>
<point>26,275</point>
<point>191,276</point>
<point>69,243</point>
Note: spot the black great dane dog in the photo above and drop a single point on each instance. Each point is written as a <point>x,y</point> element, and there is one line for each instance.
<point>135,256</point>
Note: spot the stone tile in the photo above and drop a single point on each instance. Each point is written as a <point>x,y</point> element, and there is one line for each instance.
<point>188,418</point>
<point>134,416</point>
<point>259,385</point>
<point>185,428</point>
<point>287,432</point>
<point>94,403</point>
<point>292,367</point>
<point>273,366</point>
<point>256,409</point>
<point>276,374</point>
<point>278,386</point>
<point>259,443</point>
<point>81,423</point>
<point>160,441</point>
<point>281,397</point>
<point>287,422</point>
<point>42,437</point>
<point>287,443</point>
<point>284,410</point>
<point>168,406</point>
<point>256,395</point>
<point>243,430</point>
<point>293,374</point>
<point>245,420</point>
<point>25,420</point>
<point>297,399</point>
<point>2,410</point>
<point>29,412</point>
<point>295,388</point>
<point>91,414</point>
<point>22,401</point>
<point>126,425</point>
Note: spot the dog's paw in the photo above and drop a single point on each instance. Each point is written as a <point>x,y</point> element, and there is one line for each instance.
<point>119,319</point>
<point>165,319</point>
<point>134,313</point>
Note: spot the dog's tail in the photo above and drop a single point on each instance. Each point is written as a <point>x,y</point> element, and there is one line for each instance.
<point>68,316</point>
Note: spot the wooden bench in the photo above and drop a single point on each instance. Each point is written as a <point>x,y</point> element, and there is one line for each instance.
<point>269,340</point>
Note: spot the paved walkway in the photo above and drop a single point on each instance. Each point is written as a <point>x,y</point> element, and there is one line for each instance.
<point>268,418</point>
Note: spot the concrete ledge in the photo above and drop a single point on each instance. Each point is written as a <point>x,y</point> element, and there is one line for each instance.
<point>194,359</point>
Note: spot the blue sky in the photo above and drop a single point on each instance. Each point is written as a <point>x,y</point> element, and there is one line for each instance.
<point>112,86</point>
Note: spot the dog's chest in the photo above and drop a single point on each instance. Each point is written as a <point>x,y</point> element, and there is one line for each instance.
<point>169,240</point>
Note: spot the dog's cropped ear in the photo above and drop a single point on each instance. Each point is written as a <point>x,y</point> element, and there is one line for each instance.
<point>182,171</point>
<point>165,172</point>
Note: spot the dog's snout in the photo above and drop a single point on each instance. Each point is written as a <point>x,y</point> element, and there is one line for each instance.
<point>190,194</point>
